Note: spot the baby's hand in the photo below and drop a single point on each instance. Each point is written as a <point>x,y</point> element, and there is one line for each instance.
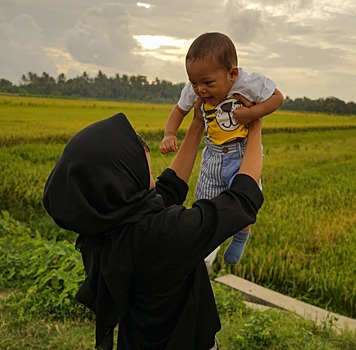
<point>169,144</point>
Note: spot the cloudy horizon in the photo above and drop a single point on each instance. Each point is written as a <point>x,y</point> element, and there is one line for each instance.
<point>306,47</point>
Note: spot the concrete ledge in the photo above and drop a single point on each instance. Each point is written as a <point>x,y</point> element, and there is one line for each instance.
<point>256,294</point>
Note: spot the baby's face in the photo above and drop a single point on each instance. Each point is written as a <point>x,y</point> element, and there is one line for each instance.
<point>210,81</point>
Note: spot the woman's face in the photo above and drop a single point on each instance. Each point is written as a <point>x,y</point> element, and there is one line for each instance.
<point>148,157</point>
<point>152,181</point>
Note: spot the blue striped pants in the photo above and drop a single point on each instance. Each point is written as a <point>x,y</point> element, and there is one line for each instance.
<point>218,169</point>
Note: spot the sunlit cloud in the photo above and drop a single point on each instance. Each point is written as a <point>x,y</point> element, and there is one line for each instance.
<point>163,47</point>
<point>67,65</point>
<point>143,4</point>
<point>153,42</point>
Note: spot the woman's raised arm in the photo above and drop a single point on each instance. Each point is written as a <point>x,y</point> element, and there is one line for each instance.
<point>252,160</point>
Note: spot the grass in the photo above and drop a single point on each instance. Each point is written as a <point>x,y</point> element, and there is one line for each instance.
<point>243,328</point>
<point>302,244</point>
<point>30,118</point>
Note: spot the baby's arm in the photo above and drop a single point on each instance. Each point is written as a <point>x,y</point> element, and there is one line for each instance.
<point>244,115</point>
<point>170,141</point>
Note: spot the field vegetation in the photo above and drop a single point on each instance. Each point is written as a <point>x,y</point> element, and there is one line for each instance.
<point>302,245</point>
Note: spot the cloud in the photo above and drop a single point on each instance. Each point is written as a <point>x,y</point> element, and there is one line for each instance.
<point>173,71</point>
<point>306,46</point>
<point>21,41</point>
<point>103,38</point>
<point>184,19</point>
<point>244,21</point>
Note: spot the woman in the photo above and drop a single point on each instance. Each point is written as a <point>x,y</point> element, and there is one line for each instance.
<point>142,250</point>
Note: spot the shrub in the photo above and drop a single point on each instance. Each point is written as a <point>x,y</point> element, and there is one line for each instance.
<point>44,275</point>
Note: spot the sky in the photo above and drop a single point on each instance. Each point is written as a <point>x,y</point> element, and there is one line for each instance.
<point>308,47</point>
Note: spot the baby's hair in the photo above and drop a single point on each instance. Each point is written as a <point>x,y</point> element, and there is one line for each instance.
<point>216,46</point>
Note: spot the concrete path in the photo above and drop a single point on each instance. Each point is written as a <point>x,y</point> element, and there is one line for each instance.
<point>263,296</point>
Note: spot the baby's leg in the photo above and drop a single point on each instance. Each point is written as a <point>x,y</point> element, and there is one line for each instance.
<point>237,246</point>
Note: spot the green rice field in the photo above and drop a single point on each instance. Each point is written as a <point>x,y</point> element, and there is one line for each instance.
<point>304,241</point>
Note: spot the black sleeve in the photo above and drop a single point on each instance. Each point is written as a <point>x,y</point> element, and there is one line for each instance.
<point>189,235</point>
<point>172,189</point>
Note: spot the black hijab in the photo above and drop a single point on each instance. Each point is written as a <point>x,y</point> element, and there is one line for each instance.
<point>100,178</point>
<point>98,187</point>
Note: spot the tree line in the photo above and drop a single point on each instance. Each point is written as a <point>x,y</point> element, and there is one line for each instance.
<point>330,105</point>
<point>118,88</point>
<point>138,88</point>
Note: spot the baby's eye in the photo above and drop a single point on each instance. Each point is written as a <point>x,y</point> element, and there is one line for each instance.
<point>193,83</point>
<point>207,83</point>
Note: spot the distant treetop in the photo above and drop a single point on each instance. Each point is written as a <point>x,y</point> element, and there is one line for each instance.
<point>138,88</point>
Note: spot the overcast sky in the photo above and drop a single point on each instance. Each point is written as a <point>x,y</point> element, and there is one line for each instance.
<point>308,47</point>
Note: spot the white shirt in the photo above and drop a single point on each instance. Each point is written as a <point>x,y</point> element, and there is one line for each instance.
<point>255,87</point>
<point>220,124</point>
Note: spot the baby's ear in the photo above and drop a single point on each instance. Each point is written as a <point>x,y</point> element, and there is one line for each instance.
<point>234,72</point>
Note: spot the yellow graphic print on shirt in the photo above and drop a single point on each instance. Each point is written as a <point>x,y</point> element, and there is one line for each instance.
<point>220,123</point>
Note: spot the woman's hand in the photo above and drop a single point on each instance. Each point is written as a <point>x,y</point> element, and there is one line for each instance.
<point>251,111</point>
<point>243,114</point>
<point>198,114</point>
